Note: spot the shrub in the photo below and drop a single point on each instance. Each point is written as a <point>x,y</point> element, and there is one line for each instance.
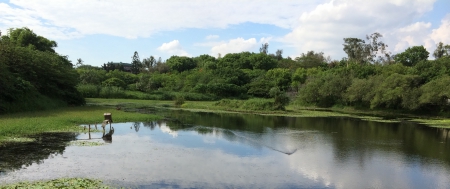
<point>179,100</point>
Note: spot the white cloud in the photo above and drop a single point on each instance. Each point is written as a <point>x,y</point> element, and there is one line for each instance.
<point>413,35</point>
<point>234,46</point>
<point>442,34</point>
<point>211,37</point>
<point>174,48</point>
<point>137,18</point>
<point>324,28</point>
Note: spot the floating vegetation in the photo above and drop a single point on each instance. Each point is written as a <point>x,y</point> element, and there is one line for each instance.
<point>439,123</point>
<point>18,139</point>
<point>59,183</point>
<point>86,143</point>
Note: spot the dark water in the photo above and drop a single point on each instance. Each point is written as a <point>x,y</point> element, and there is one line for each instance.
<point>207,150</point>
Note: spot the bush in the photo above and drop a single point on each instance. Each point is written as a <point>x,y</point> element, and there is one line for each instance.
<point>258,104</point>
<point>179,100</point>
<point>114,82</point>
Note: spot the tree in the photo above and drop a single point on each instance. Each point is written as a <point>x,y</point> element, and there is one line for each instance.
<point>180,63</point>
<point>149,62</point>
<point>25,37</point>
<point>264,48</point>
<point>357,50</point>
<point>279,54</point>
<point>312,59</point>
<point>441,50</point>
<point>136,64</point>
<point>412,56</point>
<point>79,62</point>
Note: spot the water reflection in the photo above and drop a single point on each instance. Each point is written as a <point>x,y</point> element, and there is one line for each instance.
<point>206,150</point>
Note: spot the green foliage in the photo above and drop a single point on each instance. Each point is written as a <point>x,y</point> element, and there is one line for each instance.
<point>112,92</point>
<point>397,91</point>
<point>280,98</point>
<point>311,59</point>
<point>324,90</point>
<point>436,93</point>
<point>114,82</point>
<point>29,71</point>
<point>24,37</point>
<point>179,100</point>
<point>412,56</point>
<point>281,77</point>
<point>250,104</point>
<point>441,51</point>
<point>89,90</point>
<point>262,61</point>
<point>136,64</point>
<point>180,63</point>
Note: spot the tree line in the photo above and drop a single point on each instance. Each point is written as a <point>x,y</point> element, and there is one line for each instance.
<point>369,77</point>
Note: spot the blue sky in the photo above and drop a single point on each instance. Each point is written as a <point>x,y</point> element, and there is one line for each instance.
<point>101,31</point>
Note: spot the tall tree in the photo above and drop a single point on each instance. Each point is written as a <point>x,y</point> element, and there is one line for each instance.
<point>149,62</point>
<point>79,62</point>
<point>264,48</point>
<point>441,50</point>
<point>136,64</point>
<point>357,50</point>
<point>279,54</point>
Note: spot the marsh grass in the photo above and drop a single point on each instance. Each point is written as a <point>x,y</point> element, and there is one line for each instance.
<point>58,183</point>
<point>62,120</point>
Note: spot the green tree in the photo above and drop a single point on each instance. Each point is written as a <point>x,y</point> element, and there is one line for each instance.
<point>441,50</point>
<point>149,62</point>
<point>180,63</point>
<point>412,56</point>
<point>312,59</point>
<point>358,51</point>
<point>280,98</point>
<point>25,37</point>
<point>136,64</point>
<point>281,77</point>
<point>264,48</point>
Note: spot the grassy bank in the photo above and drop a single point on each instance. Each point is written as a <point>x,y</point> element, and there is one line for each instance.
<point>66,119</point>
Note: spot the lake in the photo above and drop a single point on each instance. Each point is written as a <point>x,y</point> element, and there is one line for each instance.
<point>219,150</point>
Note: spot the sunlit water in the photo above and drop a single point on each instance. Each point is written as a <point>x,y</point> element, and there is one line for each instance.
<point>206,150</point>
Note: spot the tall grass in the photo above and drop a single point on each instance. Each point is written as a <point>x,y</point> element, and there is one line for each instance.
<point>250,104</point>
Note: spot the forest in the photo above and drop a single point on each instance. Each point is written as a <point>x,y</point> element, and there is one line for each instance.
<point>370,77</point>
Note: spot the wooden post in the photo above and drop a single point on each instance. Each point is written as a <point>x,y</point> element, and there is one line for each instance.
<point>108,116</point>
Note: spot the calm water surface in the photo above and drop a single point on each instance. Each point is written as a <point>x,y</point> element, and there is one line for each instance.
<point>208,150</point>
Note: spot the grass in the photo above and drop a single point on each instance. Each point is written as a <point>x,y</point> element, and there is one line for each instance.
<point>67,119</point>
<point>58,183</point>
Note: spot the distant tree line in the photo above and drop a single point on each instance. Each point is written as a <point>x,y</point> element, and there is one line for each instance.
<point>369,77</point>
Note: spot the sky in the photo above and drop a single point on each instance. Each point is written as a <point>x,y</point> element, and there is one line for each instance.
<point>100,31</point>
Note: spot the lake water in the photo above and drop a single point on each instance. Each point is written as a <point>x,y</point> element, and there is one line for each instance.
<point>209,150</point>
